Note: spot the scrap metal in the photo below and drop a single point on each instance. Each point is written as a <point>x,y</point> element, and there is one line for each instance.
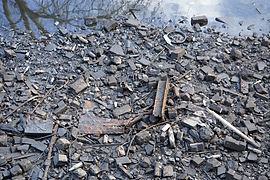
<point>161,98</point>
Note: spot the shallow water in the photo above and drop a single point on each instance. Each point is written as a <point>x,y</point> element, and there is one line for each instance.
<point>45,15</point>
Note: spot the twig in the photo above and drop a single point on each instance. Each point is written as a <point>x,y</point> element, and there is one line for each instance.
<point>48,160</point>
<point>183,76</point>
<point>43,98</point>
<point>136,119</point>
<point>103,145</point>
<point>155,125</point>
<point>151,63</point>
<point>23,156</point>
<point>207,175</point>
<point>34,97</point>
<point>230,126</point>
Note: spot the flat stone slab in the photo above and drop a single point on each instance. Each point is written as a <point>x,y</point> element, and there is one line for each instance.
<point>121,110</point>
<point>36,127</point>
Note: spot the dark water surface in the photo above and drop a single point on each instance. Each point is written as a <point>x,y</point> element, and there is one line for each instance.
<point>41,16</point>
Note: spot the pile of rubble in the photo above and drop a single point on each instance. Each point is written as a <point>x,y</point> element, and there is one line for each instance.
<point>135,101</point>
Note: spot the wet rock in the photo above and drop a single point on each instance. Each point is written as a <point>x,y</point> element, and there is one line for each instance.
<point>90,21</point>
<point>143,137</point>
<point>201,20</point>
<point>132,22</point>
<point>111,25</point>
<point>168,171</point>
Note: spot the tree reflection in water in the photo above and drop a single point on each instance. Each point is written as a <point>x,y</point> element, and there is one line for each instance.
<point>40,15</point>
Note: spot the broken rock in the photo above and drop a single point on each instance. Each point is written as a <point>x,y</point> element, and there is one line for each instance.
<point>143,137</point>
<point>60,159</point>
<point>79,85</point>
<point>234,144</point>
<point>201,20</point>
<point>62,144</point>
<point>117,49</point>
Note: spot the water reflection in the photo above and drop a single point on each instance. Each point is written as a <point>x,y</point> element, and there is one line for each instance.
<point>235,10</point>
<point>42,15</point>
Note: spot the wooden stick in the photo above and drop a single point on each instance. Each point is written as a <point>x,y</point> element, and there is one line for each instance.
<point>230,126</point>
<point>48,160</point>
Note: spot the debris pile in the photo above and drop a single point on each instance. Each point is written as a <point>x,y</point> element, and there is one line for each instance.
<point>135,101</point>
